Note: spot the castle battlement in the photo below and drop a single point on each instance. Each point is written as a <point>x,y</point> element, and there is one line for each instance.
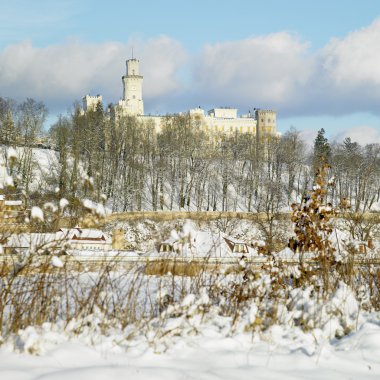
<point>90,102</point>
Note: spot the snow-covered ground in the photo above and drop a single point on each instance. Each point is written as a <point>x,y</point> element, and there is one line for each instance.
<point>193,339</point>
<point>209,355</point>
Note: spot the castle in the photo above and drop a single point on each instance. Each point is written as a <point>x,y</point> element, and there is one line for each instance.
<point>215,122</point>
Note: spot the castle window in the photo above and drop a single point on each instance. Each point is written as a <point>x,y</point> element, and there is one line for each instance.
<point>268,120</point>
<point>262,120</point>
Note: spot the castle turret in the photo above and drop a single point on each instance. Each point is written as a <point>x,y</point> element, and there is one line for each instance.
<point>90,103</point>
<point>132,93</point>
<point>266,123</point>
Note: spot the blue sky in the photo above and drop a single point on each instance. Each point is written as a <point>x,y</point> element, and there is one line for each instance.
<point>316,62</point>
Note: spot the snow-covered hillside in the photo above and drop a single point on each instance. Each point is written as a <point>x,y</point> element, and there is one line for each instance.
<point>43,166</point>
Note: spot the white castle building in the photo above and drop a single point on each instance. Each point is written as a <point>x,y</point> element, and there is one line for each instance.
<point>132,102</point>
<point>217,121</point>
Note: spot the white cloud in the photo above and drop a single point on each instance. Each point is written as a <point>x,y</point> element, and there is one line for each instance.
<point>62,73</point>
<point>280,71</point>
<point>362,134</point>
<point>160,59</point>
<point>264,70</point>
<point>276,71</point>
<point>308,136</point>
<point>354,60</point>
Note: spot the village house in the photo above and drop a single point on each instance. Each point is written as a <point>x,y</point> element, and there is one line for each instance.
<point>204,244</point>
<point>12,212</point>
<point>39,243</point>
<point>65,240</point>
<point>87,239</point>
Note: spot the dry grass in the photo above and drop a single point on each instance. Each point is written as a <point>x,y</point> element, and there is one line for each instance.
<point>34,292</point>
<point>159,216</point>
<point>180,268</point>
<point>164,267</point>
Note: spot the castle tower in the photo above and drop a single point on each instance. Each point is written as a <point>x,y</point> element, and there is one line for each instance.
<point>132,92</point>
<point>90,103</point>
<point>266,123</point>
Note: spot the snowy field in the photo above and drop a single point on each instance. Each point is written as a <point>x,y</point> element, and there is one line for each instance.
<point>204,332</point>
<point>280,354</point>
<point>193,338</point>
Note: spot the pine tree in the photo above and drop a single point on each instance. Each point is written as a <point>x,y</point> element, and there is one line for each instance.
<point>322,150</point>
<point>350,147</point>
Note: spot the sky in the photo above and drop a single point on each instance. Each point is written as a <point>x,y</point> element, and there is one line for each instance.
<point>317,63</point>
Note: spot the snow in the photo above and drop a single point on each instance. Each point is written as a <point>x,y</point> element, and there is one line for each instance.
<point>191,339</point>
<point>282,354</point>
<point>63,203</point>
<point>9,181</point>
<point>97,208</point>
<point>11,153</point>
<point>100,210</point>
<point>87,203</point>
<point>12,203</point>
<point>37,213</point>
<point>376,207</point>
<point>56,262</point>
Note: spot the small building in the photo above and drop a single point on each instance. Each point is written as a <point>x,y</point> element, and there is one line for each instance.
<point>87,239</point>
<point>40,243</point>
<point>237,246</point>
<point>12,215</point>
<point>66,239</point>
<point>204,244</point>
<point>10,210</point>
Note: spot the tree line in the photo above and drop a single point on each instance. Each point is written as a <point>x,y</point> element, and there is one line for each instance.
<point>181,168</point>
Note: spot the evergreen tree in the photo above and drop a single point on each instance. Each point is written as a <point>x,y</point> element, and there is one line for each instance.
<point>351,147</point>
<point>322,150</point>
